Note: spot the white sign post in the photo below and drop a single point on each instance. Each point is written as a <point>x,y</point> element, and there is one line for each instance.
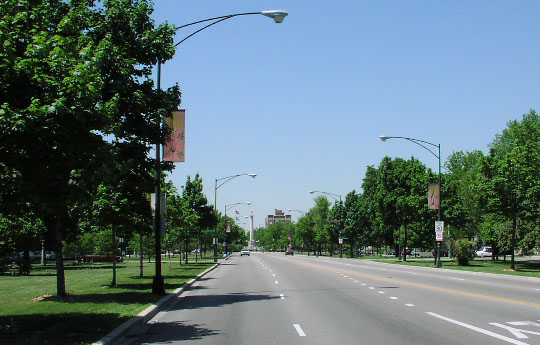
<point>439,231</point>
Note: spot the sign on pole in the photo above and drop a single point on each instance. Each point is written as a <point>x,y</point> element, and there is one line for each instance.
<point>439,231</point>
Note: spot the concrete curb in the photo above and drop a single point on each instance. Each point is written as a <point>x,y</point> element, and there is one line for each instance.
<point>147,314</point>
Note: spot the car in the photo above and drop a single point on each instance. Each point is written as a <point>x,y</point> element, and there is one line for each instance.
<point>289,251</point>
<point>486,251</point>
<point>408,251</point>
<point>244,252</point>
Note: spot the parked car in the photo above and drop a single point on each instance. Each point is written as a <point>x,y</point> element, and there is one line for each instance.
<point>244,252</point>
<point>289,251</point>
<point>486,251</point>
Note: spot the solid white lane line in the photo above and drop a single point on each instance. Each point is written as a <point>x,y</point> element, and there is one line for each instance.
<point>457,278</point>
<point>299,330</point>
<point>478,329</point>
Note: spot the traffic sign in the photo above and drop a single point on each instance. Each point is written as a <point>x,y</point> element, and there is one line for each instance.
<point>439,231</point>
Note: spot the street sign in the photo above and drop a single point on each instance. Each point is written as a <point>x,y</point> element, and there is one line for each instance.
<point>210,230</point>
<point>439,231</point>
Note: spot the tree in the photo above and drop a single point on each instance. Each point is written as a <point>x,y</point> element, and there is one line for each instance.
<point>320,213</point>
<point>462,201</point>
<point>512,177</point>
<point>197,203</point>
<point>73,71</point>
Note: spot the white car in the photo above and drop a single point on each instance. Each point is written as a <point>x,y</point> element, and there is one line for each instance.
<point>244,252</point>
<point>486,251</point>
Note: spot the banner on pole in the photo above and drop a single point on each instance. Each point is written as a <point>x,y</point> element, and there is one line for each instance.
<point>434,196</point>
<point>175,147</point>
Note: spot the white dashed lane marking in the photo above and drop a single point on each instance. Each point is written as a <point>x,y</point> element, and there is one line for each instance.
<point>299,330</point>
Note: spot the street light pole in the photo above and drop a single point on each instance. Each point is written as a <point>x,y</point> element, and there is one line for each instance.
<point>228,207</point>
<point>423,144</point>
<point>216,186</point>
<point>335,196</point>
<point>158,285</point>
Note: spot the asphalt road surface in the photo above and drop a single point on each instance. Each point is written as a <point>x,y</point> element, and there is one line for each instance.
<point>270,298</point>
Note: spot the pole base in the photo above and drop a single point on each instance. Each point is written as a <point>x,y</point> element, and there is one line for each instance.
<point>158,286</point>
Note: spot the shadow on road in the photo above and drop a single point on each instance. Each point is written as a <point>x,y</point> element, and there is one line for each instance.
<point>214,301</point>
<point>167,332</point>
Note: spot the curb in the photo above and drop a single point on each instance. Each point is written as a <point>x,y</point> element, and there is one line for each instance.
<point>147,314</point>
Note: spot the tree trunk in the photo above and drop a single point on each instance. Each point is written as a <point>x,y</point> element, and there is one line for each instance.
<point>186,251</point>
<point>141,253</point>
<point>60,274</point>
<point>514,221</point>
<point>113,283</point>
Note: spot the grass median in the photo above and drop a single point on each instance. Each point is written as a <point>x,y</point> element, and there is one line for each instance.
<point>527,268</point>
<point>31,314</point>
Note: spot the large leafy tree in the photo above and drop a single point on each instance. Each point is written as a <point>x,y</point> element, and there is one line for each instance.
<point>512,177</point>
<point>72,72</point>
<point>462,201</point>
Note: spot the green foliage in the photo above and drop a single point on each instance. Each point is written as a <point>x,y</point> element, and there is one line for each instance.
<point>464,252</point>
<point>73,74</point>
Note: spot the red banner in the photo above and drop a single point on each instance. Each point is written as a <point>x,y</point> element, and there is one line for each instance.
<point>175,148</point>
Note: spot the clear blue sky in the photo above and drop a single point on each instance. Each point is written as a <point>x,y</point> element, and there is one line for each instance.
<point>302,103</point>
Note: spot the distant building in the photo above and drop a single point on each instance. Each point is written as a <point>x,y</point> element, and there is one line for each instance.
<point>278,217</point>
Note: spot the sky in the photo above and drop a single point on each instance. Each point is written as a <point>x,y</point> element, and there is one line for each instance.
<point>302,104</point>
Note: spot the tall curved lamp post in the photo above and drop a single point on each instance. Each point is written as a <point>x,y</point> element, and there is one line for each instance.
<point>335,197</point>
<point>228,207</point>
<point>424,144</point>
<point>158,285</point>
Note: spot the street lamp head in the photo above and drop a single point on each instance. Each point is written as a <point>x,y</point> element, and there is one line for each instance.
<point>252,175</point>
<point>383,138</point>
<point>276,15</point>
<point>248,202</point>
<point>311,191</point>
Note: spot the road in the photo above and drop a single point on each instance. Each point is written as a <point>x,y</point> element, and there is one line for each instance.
<point>269,298</point>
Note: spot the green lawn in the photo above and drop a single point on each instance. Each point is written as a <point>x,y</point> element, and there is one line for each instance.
<point>31,314</point>
<point>528,268</point>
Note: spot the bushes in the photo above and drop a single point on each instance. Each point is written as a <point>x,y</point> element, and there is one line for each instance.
<point>464,252</point>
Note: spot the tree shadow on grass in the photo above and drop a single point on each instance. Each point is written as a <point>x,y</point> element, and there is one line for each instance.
<point>64,328</point>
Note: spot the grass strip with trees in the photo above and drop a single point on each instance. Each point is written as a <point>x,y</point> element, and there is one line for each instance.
<point>31,313</point>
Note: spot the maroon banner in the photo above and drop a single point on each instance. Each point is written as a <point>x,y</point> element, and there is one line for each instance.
<point>174,150</point>
<point>434,196</point>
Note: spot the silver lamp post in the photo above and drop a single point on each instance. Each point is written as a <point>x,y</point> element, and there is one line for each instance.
<point>423,144</point>
<point>158,285</point>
